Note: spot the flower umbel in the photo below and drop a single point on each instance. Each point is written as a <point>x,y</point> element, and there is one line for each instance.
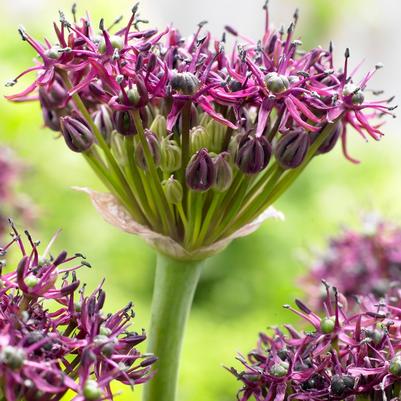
<point>343,356</point>
<point>54,338</point>
<point>145,105</point>
<point>359,262</point>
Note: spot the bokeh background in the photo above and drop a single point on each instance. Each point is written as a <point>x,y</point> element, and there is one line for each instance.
<point>242,289</point>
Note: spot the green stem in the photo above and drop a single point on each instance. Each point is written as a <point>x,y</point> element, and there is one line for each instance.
<point>174,289</point>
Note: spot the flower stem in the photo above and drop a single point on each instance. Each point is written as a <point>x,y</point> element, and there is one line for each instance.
<point>175,285</point>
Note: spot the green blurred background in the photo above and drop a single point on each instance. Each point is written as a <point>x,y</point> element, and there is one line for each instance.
<point>242,289</point>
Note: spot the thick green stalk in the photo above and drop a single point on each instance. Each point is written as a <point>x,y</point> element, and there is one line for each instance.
<point>174,289</point>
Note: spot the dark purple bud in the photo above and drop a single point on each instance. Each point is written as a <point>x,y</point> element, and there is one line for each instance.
<point>224,172</point>
<point>154,147</point>
<point>53,97</point>
<point>185,83</point>
<point>292,149</point>
<point>341,385</point>
<point>330,141</point>
<point>51,119</point>
<point>103,120</point>
<point>148,361</point>
<point>96,89</point>
<point>253,154</point>
<point>124,123</point>
<point>200,173</point>
<point>78,137</point>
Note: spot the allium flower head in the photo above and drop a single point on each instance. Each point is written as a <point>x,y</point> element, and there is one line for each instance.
<point>184,101</point>
<point>359,262</point>
<point>56,339</point>
<point>11,202</point>
<point>341,356</point>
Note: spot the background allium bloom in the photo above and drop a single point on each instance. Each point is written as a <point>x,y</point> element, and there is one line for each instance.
<point>13,202</point>
<point>54,338</point>
<point>342,356</point>
<point>359,262</point>
<point>270,104</point>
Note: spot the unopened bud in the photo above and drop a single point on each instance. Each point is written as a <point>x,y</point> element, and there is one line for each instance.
<point>91,391</point>
<point>224,172</point>
<point>13,357</point>
<point>124,123</point>
<point>331,141</point>
<point>327,325</point>
<point>154,148</point>
<point>185,83</point>
<point>51,119</point>
<point>276,83</point>
<point>78,137</point>
<point>103,120</point>
<point>395,366</point>
<point>253,154</point>
<point>117,42</point>
<point>170,155</point>
<point>292,149</point>
<point>199,139</point>
<point>200,173</point>
<point>53,97</point>
<point>159,126</point>
<point>341,385</point>
<point>173,190</point>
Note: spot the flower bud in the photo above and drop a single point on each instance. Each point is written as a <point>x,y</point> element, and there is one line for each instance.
<point>54,97</point>
<point>330,141</point>
<point>200,173</point>
<point>395,366</point>
<point>279,369</point>
<point>170,155</point>
<point>224,172</point>
<point>51,119</point>
<point>185,83</point>
<point>327,325</point>
<point>253,154</point>
<point>124,123</point>
<point>173,190</point>
<point>154,147</point>
<point>199,139</point>
<point>91,391</point>
<point>341,385</point>
<point>103,120</point>
<point>276,83</point>
<point>77,135</point>
<point>117,42</point>
<point>13,357</point>
<point>159,126</point>
<point>292,149</point>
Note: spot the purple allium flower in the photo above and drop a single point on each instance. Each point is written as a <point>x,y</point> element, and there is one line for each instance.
<point>341,356</point>
<point>359,262</point>
<point>193,93</point>
<point>11,202</point>
<point>54,338</point>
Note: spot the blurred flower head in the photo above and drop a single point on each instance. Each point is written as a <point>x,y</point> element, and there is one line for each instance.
<point>12,202</point>
<point>143,105</point>
<point>358,262</point>
<point>56,339</point>
<point>341,356</point>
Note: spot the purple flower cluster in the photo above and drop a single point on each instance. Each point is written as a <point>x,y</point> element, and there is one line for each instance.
<point>144,105</point>
<point>359,262</point>
<point>11,203</point>
<point>55,339</point>
<point>342,356</point>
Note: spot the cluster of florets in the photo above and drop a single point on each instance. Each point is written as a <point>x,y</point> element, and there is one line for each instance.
<point>183,112</point>
<point>359,262</point>
<point>342,355</point>
<point>54,338</point>
<point>12,203</point>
